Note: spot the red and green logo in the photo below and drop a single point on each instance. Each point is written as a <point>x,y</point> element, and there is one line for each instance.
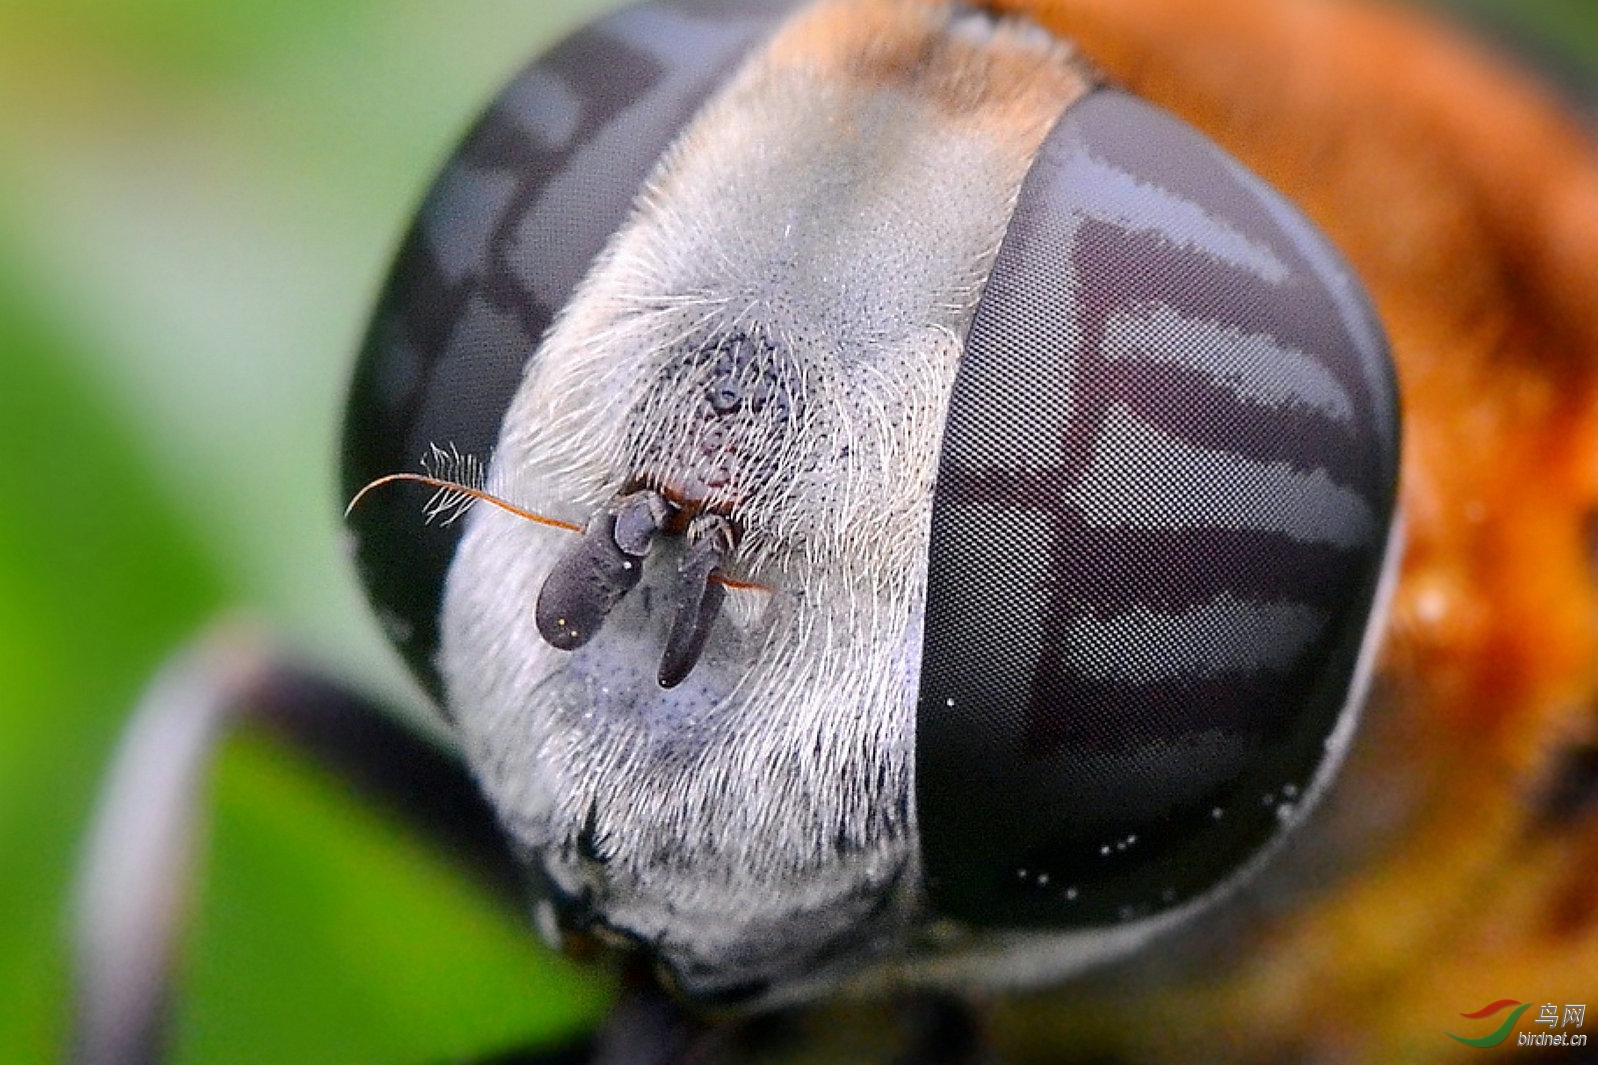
<point>1499,1034</point>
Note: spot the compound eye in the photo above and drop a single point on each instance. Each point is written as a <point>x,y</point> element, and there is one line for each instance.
<point>512,224</point>
<point>1163,506</point>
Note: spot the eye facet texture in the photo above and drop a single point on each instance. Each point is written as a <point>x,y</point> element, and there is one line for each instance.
<point>1163,503</point>
<point>510,227</point>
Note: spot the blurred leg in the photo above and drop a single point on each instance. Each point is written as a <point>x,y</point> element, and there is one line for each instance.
<point>137,871</point>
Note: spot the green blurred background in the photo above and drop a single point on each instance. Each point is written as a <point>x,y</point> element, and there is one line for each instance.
<point>197,203</point>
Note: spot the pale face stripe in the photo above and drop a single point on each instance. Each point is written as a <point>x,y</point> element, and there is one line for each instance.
<point>1252,366</point>
<point>1225,636</point>
<point>1141,477</point>
<point>1108,194</point>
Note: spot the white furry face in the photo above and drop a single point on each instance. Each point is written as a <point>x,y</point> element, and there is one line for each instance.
<point>772,337</point>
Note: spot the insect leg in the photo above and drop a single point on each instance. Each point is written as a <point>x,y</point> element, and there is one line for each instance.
<point>134,887</point>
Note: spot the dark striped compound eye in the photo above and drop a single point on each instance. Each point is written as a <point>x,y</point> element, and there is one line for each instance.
<point>1164,502</point>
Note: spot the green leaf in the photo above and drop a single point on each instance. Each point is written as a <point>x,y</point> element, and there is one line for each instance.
<point>327,936</point>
